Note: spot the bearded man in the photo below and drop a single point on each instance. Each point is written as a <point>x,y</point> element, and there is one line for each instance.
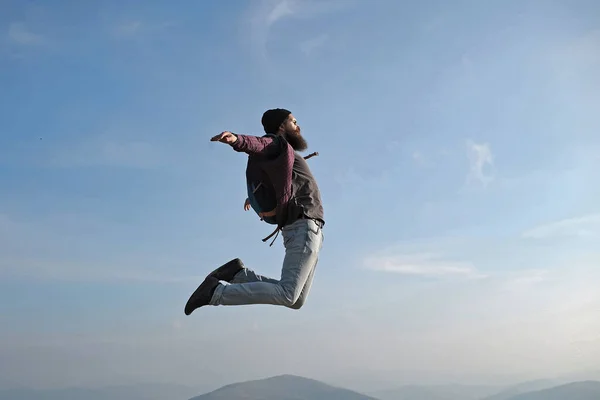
<point>283,192</point>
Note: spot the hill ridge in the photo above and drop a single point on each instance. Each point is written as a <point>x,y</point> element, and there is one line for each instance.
<point>282,387</point>
<point>578,390</point>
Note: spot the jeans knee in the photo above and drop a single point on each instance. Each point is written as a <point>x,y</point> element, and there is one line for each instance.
<point>298,304</point>
<point>291,299</point>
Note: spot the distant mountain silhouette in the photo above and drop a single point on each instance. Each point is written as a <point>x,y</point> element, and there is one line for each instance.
<point>282,387</point>
<point>587,390</point>
<point>436,392</point>
<point>524,387</point>
<point>124,392</point>
<point>290,387</point>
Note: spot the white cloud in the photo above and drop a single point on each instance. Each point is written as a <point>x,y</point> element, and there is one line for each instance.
<point>280,10</point>
<point>19,34</point>
<point>264,14</point>
<point>309,46</point>
<point>417,157</point>
<point>530,313</point>
<point>479,156</point>
<point>421,265</point>
<point>525,279</point>
<point>587,226</point>
<point>426,156</point>
<point>272,11</point>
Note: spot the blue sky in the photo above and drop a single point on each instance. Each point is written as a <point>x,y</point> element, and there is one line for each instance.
<point>458,165</point>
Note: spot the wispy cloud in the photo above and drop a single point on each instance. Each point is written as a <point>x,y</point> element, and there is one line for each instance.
<point>261,17</point>
<point>20,34</point>
<point>309,46</point>
<point>272,11</point>
<point>426,155</point>
<point>525,279</point>
<point>421,265</point>
<point>266,13</point>
<point>418,158</point>
<point>480,156</point>
<point>587,226</point>
<point>281,9</point>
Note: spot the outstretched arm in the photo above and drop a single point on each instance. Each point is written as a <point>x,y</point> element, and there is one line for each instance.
<point>254,145</point>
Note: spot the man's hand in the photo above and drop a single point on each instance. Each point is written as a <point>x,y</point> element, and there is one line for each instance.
<point>271,213</point>
<point>224,137</point>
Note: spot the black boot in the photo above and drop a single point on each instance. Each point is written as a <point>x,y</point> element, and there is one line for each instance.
<point>202,295</point>
<point>227,271</point>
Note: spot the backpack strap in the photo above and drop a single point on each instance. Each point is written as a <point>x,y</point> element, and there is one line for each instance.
<point>276,233</point>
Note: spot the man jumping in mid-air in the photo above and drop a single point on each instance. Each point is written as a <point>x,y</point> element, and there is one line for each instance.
<point>280,180</point>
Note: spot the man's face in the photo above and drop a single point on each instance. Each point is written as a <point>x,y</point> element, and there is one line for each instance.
<point>293,134</point>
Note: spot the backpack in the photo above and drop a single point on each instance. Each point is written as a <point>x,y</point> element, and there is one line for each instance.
<point>262,199</point>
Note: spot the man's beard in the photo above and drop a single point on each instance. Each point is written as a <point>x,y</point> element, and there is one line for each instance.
<point>296,140</point>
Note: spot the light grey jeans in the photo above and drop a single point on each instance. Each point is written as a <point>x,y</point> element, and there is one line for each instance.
<point>303,241</point>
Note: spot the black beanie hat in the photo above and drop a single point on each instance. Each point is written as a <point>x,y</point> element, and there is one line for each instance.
<point>271,119</point>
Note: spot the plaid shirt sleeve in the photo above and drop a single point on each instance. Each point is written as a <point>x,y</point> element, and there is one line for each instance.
<point>257,145</point>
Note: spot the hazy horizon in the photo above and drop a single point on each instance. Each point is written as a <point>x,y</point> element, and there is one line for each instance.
<point>458,162</point>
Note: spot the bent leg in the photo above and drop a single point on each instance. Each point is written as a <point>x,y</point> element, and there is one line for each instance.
<point>305,290</point>
<point>302,241</point>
